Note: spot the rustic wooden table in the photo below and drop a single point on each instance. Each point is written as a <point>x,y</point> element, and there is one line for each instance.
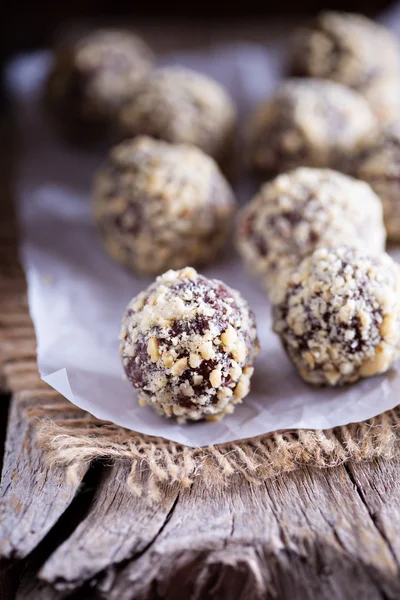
<point>311,534</point>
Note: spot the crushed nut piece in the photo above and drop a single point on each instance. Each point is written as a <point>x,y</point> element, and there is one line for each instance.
<point>239,352</point>
<point>229,338</point>
<point>168,360</point>
<point>194,360</point>
<point>152,349</point>
<point>178,367</point>
<point>206,350</point>
<point>224,392</point>
<point>215,378</point>
<point>243,387</point>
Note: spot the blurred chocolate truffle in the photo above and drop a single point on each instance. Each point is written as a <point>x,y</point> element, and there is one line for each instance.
<point>379,165</point>
<point>182,106</point>
<point>309,122</point>
<point>161,205</point>
<point>91,78</point>
<point>352,50</point>
<point>300,211</point>
<point>339,320</point>
<point>188,345</point>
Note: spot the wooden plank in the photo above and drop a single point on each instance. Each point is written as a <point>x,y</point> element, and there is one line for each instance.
<point>378,485</point>
<point>23,375</point>
<point>10,351</point>
<point>32,495</point>
<point>9,581</point>
<point>306,535</point>
<point>39,590</point>
<point>30,587</point>
<point>120,526</point>
<point>333,546</point>
<point>11,319</point>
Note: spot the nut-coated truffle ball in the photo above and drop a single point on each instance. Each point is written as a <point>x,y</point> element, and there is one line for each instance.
<point>91,78</point>
<point>352,50</point>
<point>188,346</point>
<point>309,122</point>
<point>160,205</point>
<point>182,106</point>
<point>379,165</point>
<point>340,317</point>
<point>300,211</point>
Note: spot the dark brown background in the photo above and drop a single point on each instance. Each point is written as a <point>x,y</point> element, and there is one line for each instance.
<point>30,24</point>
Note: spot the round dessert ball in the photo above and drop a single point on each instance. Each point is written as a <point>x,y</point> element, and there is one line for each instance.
<point>91,78</point>
<point>188,346</point>
<point>339,320</point>
<point>181,106</point>
<point>353,50</point>
<point>384,99</point>
<point>309,122</point>
<point>160,205</point>
<point>300,211</point>
<point>379,165</point>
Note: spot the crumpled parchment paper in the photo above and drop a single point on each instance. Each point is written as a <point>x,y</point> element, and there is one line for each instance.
<point>77,294</point>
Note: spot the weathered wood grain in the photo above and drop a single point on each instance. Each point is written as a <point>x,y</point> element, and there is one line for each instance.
<point>120,525</point>
<point>307,535</point>
<point>378,485</point>
<point>312,534</point>
<point>32,495</point>
<point>23,375</point>
<point>338,551</point>
<point>29,587</point>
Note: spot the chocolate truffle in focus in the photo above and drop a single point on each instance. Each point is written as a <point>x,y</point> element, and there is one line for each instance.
<point>160,205</point>
<point>339,319</point>
<point>188,345</point>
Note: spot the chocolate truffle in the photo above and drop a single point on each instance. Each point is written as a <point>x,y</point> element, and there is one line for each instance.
<point>309,122</point>
<point>300,211</point>
<point>340,317</point>
<point>91,78</point>
<point>352,50</point>
<point>379,165</point>
<point>160,205</point>
<point>182,106</point>
<point>188,346</point>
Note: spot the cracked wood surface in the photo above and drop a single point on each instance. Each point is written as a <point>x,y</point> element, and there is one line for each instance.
<point>32,496</point>
<point>329,534</point>
<point>120,527</point>
<point>303,535</point>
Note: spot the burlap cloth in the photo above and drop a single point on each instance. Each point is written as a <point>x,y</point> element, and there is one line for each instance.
<point>71,436</point>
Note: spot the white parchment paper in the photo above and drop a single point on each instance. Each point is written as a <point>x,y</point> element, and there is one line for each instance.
<point>77,294</point>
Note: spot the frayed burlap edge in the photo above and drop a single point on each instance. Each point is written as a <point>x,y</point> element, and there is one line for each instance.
<point>71,442</point>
